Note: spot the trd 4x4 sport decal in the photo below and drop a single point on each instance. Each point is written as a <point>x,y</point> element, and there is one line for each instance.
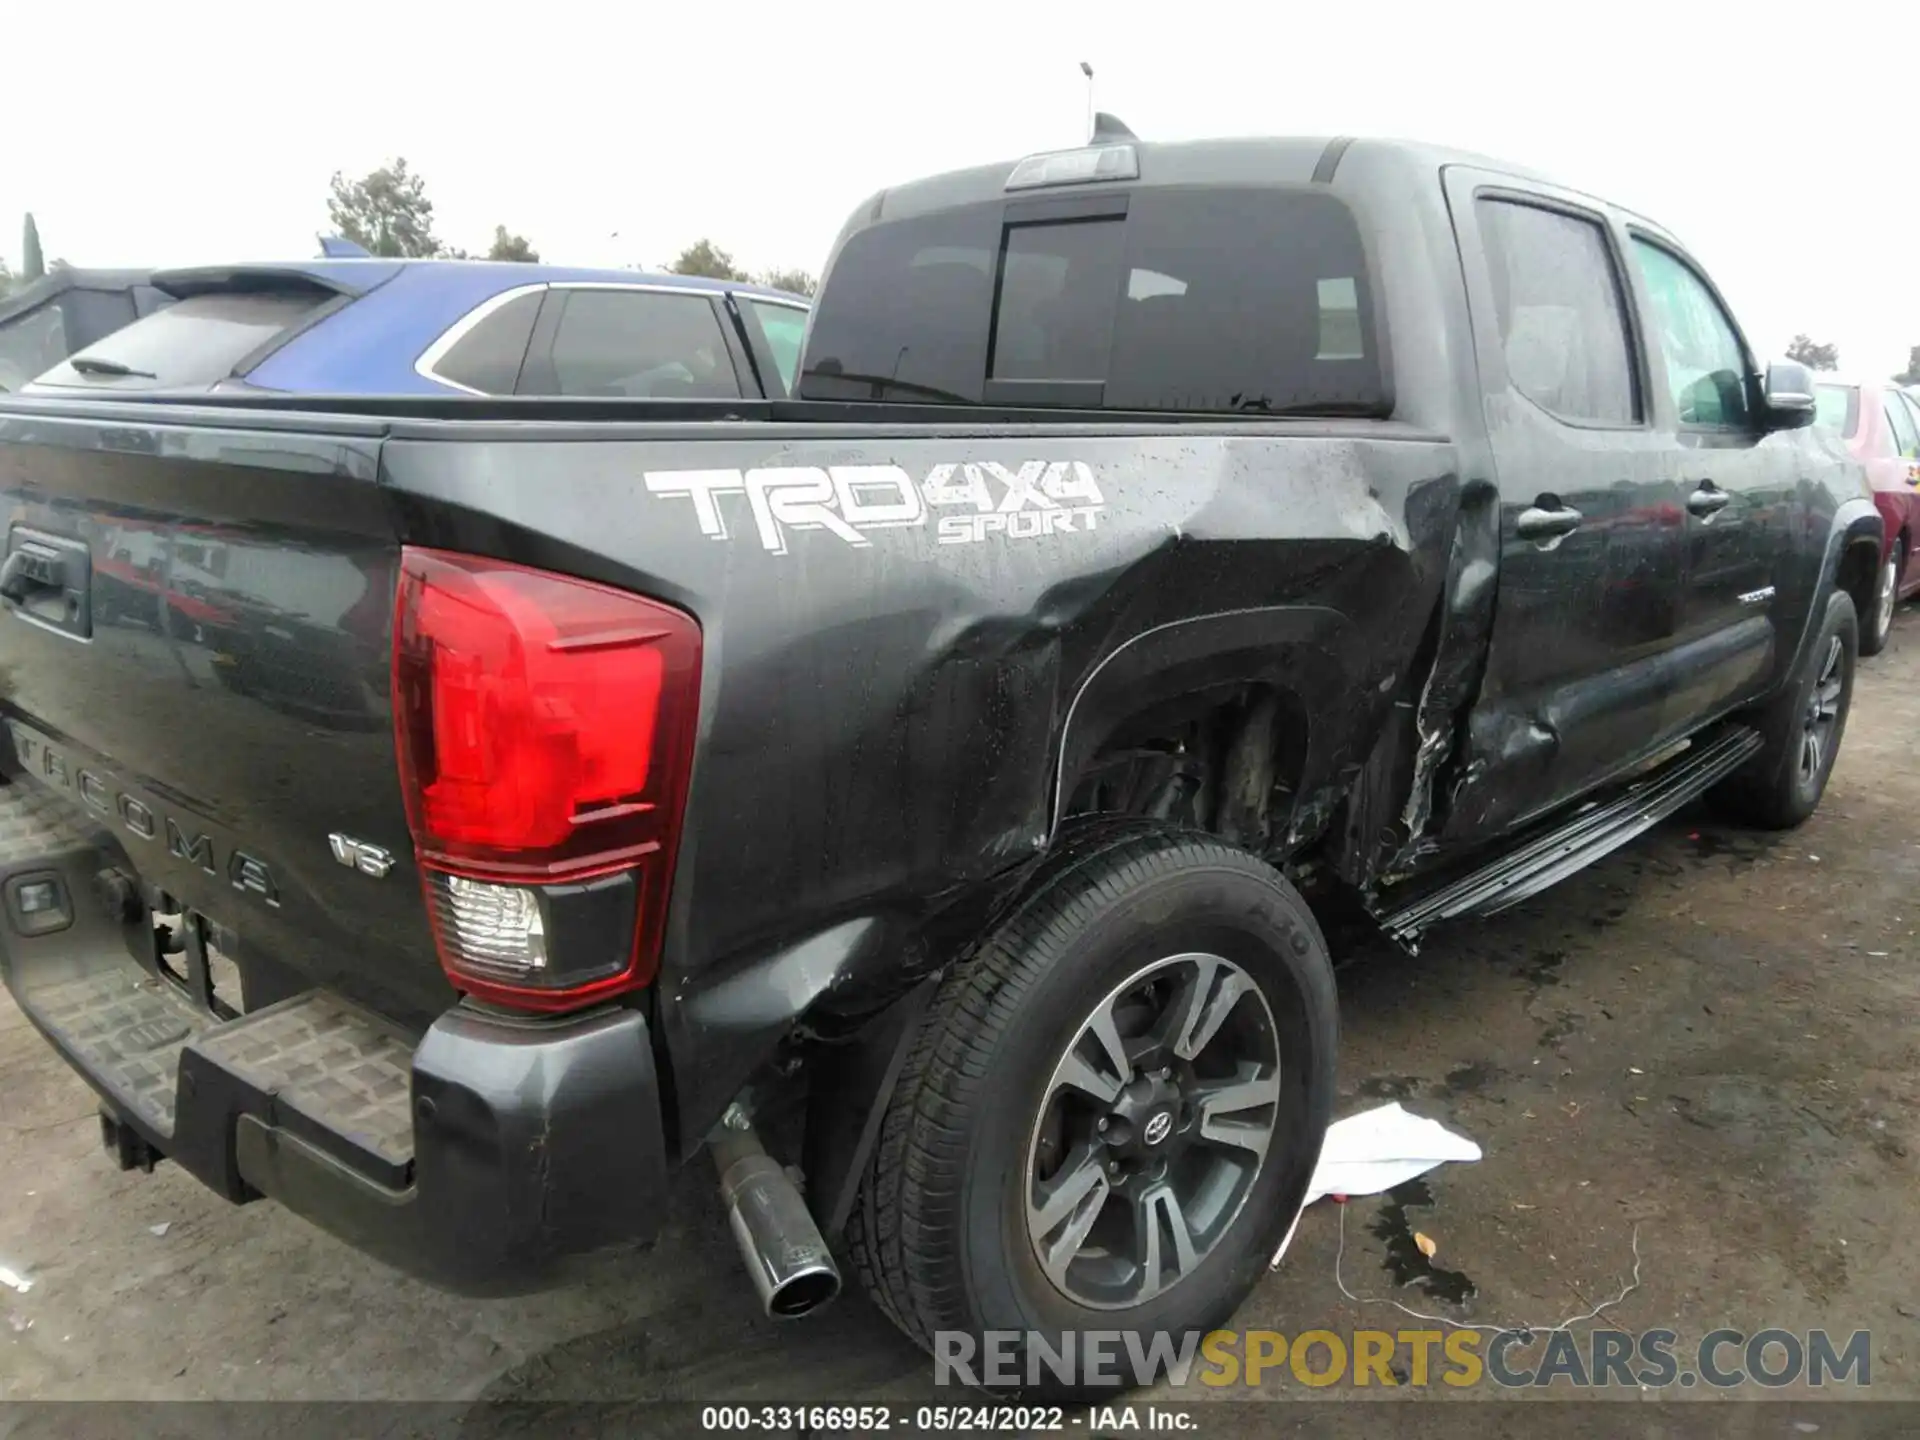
<point>968,502</point>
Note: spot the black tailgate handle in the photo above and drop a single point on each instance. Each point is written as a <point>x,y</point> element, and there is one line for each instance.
<point>49,580</point>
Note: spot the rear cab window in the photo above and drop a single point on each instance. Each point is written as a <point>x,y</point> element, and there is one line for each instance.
<point>1222,299</point>
<point>197,342</point>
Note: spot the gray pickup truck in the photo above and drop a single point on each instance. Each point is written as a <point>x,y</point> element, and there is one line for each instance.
<point>446,818</point>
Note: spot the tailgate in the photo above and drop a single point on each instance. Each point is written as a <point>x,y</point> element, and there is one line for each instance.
<point>195,658</point>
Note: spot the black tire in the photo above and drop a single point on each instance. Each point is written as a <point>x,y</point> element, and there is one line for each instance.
<point>1877,628</point>
<point>940,1236</point>
<point>1776,790</point>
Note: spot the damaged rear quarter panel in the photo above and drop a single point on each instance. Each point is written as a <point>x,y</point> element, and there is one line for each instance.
<point>892,687</point>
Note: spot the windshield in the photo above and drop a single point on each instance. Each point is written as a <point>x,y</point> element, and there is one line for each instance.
<point>196,342</point>
<point>1837,408</point>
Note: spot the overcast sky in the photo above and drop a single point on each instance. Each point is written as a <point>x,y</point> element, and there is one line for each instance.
<point>1772,140</point>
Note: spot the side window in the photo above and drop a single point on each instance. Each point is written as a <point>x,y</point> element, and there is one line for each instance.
<point>785,327</point>
<point>1562,319</point>
<point>487,357</point>
<point>1913,412</point>
<point>636,344</point>
<point>1906,439</point>
<point>1706,367</point>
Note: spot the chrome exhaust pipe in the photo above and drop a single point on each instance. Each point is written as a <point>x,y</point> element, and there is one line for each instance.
<point>784,1251</point>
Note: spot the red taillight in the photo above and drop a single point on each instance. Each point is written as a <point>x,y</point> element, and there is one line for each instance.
<point>544,727</point>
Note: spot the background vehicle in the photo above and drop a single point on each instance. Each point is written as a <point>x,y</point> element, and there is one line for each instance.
<point>1881,426</point>
<point>940,765</point>
<point>67,310</point>
<point>448,327</point>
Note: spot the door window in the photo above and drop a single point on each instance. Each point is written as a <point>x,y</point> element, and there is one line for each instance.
<point>636,343</point>
<point>1706,364</point>
<point>1562,321</point>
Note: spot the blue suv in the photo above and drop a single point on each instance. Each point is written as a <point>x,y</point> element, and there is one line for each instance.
<point>444,327</point>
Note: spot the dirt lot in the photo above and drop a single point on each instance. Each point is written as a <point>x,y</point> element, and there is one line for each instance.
<point>1710,1037</point>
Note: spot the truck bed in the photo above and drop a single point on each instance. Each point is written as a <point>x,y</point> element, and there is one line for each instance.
<point>890,689</point>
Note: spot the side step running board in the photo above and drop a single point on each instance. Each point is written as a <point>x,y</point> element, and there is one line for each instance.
<point>1588,835</point>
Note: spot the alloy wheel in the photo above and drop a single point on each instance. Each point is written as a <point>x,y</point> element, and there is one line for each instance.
<point>1883,600</point>
<point>1152,1130</point>
<point>1823,713</point>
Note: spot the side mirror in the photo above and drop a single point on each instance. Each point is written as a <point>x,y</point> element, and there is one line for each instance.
<point>1787,396</point>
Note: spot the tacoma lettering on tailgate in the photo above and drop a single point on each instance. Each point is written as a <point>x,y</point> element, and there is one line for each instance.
<point>106,797</point>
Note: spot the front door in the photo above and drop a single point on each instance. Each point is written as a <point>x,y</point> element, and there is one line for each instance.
<point>1592,524</point>
<point>1738,487</point>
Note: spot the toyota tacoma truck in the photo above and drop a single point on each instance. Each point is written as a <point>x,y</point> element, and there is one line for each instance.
<point>913,798</point>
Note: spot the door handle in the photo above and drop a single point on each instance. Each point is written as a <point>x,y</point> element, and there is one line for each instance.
<point>48,579</point>
<point>1548,522</point>
<point>29,572</point>
<point>1708,500</point>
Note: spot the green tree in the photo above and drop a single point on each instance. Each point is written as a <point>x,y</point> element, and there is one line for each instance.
<point>1814,355</point>
<point>1911,375</point>
<point>703,257</point>
<point>512,247</point>
<point>32,265</point>
<point>794,282</point>
<point>387,211</point>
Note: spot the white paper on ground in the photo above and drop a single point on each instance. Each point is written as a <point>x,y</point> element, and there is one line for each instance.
<point>1376,1150</point>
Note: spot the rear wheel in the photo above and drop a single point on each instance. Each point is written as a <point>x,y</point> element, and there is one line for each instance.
<point>1113,1108</point>
<point>1782,785</point>
<point>1886,599</point>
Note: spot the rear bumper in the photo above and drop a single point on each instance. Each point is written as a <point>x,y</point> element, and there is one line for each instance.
<point>480,1157</point>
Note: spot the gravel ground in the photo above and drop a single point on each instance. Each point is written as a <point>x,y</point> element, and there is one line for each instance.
<point>1707,1040</point>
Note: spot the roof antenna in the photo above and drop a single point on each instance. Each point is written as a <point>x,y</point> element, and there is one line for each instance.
<point>1110,127</point>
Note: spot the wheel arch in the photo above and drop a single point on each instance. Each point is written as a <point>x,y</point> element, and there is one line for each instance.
<point>1296,654</point>
<point>1855,538</point>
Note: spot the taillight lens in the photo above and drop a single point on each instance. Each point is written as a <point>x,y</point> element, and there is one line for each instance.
<point>544,728</point>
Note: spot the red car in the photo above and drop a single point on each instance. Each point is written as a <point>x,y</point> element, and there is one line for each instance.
<point>1880,423</point>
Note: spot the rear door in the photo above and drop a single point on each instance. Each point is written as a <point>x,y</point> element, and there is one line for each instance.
<point>1738,485</point>
<point>1592,532</point>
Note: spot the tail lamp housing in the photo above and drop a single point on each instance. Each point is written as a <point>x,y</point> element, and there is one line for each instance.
<point>544,727</point>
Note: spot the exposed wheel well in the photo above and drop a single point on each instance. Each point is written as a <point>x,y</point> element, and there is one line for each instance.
<point>1227,759</point>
